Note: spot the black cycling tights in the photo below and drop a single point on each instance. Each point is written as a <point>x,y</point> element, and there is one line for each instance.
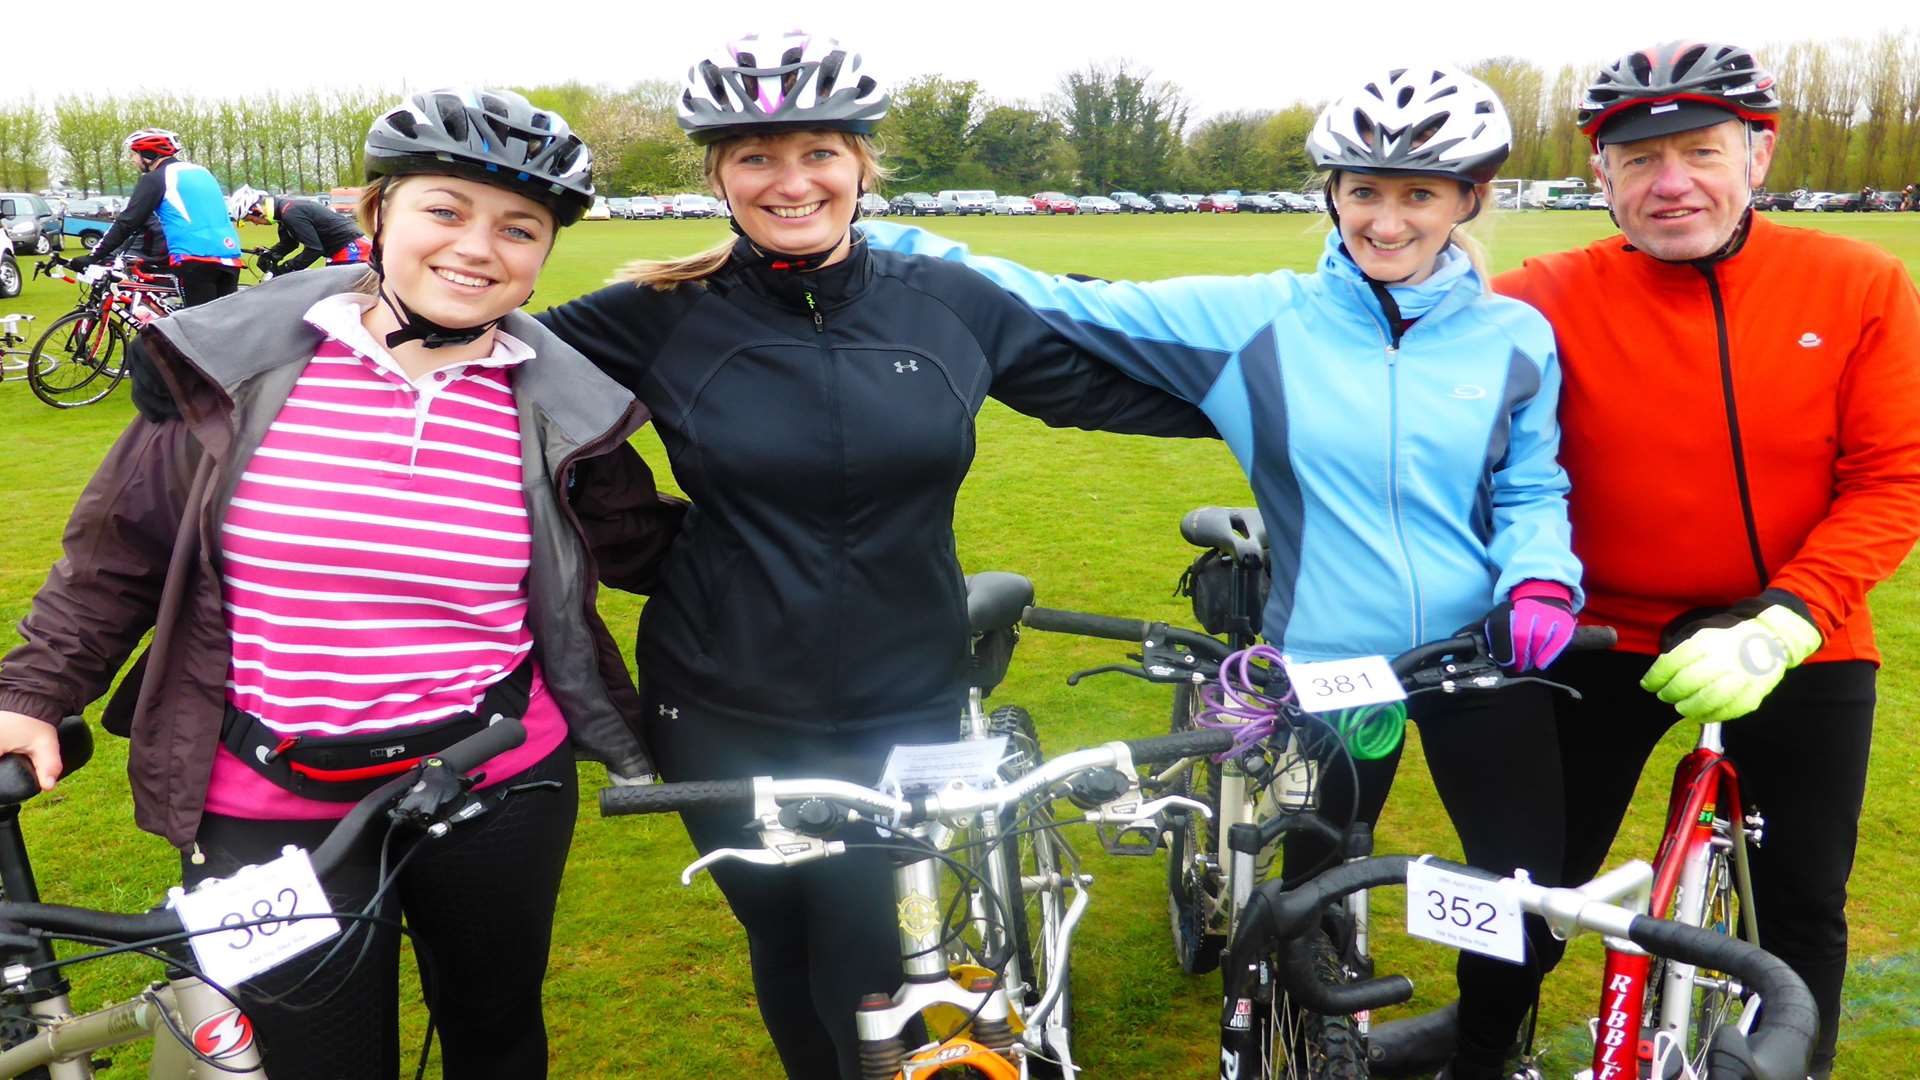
<point>204,282</point>
<point>1802,758</point>
<point>820,935</point>
<point>480,904</point>
<point>1494,759</point>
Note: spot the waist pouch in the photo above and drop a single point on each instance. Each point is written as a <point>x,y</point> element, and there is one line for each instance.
<point>347,768</point>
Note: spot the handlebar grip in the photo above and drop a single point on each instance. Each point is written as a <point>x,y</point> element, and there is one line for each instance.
<point>495,739</point>
<point>17,781</point>
<point>1782,1044</point>
<point>1084,624</point>
<point>1595,638</point>
<point>666,798</point>
<point>1180,745</point>
<point>1312,984</point>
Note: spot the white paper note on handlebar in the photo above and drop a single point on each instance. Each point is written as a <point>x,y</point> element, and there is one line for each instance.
<point>230,952</point>
<point>1465,912</point>
<point>1329,685</point>
<point>973,762</point>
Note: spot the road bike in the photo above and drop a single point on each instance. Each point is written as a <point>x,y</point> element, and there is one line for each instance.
<point>197,1030</point>
<point>1770,1043</point>
<point>81,356</point>
<point>1658,1017</point>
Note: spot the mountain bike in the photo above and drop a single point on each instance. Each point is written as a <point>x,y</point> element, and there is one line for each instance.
<point>1771,1043</point>
<point>1658,1017</point>
<point>1269,788</point>
<point>796,820</point>
<point>198,1031</point>
<point>79,359</point>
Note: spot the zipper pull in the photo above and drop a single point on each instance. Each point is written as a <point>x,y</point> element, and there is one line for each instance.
<point>198,858</point>
<point>819,324</point>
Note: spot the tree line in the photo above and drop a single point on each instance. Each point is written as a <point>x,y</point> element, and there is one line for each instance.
<point>1851,118</point>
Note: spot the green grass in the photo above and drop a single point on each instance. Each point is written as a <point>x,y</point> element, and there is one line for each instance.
<point>649,976</point>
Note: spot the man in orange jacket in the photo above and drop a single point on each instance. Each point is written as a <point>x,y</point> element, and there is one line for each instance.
<point>1741,422</point>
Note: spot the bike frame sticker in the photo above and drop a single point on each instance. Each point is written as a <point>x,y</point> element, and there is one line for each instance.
<point>223,1035</point>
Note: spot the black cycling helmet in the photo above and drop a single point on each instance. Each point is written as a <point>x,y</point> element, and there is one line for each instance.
<point>788,80</point>
<point>1677,86</point>
<point>492,136</point>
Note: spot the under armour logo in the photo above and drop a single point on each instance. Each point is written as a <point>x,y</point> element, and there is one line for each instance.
<point>901,367</point>
<point>669,712</point>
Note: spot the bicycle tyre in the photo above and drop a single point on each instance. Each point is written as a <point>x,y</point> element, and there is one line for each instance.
<point>1193,893</point>
<point>78,345</point>
<point>1035,854</point>
<point>1314,1046</point>
<point>1719,907</point>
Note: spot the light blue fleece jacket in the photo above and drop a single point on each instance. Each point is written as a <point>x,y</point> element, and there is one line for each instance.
<point>1404,489</point>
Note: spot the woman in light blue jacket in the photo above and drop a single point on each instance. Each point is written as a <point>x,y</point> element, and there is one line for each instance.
<point>1396,422</point>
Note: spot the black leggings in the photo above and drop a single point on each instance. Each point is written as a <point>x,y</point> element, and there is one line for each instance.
<point>480,904</point>
<point>204,282</point>
<point>1802,758</point>
<point>1493,757</point>
<point>820,935</point>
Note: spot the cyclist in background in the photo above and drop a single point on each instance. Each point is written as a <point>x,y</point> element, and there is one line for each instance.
<point>1397,425</point>
<point>817,401</point>
<point>357,535</point>
<point>202,248</point>
<point>1742,427</point>
<point>315,231</point>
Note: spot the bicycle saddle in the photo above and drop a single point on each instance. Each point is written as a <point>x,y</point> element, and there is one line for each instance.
<point>996,599</point>
<point>1234,531</point>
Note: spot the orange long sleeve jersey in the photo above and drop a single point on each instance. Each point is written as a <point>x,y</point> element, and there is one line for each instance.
<point>1749,425</point>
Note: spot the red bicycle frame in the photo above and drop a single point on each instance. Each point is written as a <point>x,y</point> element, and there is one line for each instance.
<point>1705,785</point>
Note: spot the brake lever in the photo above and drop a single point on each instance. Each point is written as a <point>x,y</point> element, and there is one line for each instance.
<point>1131,815</point>
<point>1108,669</point>
<point>778,852</point>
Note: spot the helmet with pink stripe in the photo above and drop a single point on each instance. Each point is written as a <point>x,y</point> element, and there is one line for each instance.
<point>782,81</point>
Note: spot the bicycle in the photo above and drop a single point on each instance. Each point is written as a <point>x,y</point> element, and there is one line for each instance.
<point>77,361</point>
<point>1659,1019</point>
<point>198,1032</point>
<point>1269,788</point>
<point>796,818</point>
<point>1774,1043</point>
<point>13,359</point>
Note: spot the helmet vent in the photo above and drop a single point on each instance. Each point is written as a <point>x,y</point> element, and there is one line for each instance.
<point>1684,66</point>
<point>1426,130</point>
<point>1445,91</point>
<point>1484,107</point>
<point>1394,75</point>
<point>829,73</point>
<point>1374,89</point>
<point>493,105</point>
<point>867,86</point>
<point>1405,96</point>
<point>453,117</point>
<point>1363,126</point>
<point>403,122</point>
<point>1642,67</point>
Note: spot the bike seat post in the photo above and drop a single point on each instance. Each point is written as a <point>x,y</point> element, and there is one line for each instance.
<point>17,885</point>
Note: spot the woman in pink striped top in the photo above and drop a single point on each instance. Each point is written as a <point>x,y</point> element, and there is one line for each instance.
<point>369,513</point>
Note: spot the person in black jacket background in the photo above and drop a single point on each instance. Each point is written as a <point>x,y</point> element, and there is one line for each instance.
<point>313,231</point>
<point>817,401</point>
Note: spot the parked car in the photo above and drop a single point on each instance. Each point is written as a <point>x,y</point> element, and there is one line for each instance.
<point>1219,203</point>
<point>10,280</point>
<point>1811,200</point>
<point>1887,200</point>
<point>1568,202</point>
<point>620,208</point>
<point>1098,204</point>
<point>1596,200</point>
<point>872,205</point>
<point>963,203</point>
<point>1260,204</point>
<point>1772,200</point>
<point>1167,202</point>
<point>691,206</point>
<point>916,204</point>
<point>1845,202</point>
<point>344,201</point>
<point>30,222</point>
<point>599,211</point>
<point>643,207</point>
<point>87,220</point>
<point>1133,202</point>
<point>1014,205</point>
<point>1054,202</point>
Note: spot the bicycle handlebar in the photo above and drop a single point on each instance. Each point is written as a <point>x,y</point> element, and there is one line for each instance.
<point>714,794</point>
<point>462,757</point>
<point>1778,1048</point>
<point>17,780</point>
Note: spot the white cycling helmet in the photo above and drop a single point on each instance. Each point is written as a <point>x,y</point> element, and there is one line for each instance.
<point>792,80</point>
<point>1429,120</point>
<point>244,201</point>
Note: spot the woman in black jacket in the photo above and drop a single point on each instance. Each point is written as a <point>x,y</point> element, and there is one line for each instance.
<point>817,402</point>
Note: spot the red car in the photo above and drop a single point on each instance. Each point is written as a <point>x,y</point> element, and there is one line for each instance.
<point>1219,204</point>
<point>1053,202</point>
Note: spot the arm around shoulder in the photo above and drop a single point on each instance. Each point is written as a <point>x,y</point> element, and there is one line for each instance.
<point>628,523</point>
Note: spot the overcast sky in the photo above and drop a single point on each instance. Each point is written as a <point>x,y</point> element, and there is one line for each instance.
<point>1226,55</point>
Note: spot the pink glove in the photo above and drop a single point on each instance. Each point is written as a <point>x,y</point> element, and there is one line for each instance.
<point>1529,631</point>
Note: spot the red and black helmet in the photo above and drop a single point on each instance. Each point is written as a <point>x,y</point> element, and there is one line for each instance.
<point>1677,86</point>
<point>157,141</point>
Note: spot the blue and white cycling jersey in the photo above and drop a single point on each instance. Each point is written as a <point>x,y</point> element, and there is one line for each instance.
<point>1404,489</point>
<point>186,200</point>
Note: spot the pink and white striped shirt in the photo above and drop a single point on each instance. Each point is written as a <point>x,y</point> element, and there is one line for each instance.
<point>374,557</point>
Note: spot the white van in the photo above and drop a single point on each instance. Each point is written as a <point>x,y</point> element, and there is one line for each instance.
<point>967,202</point>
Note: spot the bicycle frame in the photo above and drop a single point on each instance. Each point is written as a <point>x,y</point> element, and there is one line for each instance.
<point>1704,811</point>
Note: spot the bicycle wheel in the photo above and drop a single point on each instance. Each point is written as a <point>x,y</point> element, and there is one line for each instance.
<point>77,361</point>
<point>1307,1045</point>
<point>1038,858</point>
<point>1685,1004</point>
<point>1193,884</point>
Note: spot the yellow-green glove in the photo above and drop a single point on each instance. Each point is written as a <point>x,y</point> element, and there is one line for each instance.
<point>1722,672</point>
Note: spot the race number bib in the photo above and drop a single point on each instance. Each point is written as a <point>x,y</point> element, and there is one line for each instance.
<point>1329,685</point>
<point>230,951</point>
<point>1465,912</point>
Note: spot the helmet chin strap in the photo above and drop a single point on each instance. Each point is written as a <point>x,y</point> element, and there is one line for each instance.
<point>782,260</point>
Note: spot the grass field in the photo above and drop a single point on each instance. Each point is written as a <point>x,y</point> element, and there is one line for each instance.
<point>651,978</point>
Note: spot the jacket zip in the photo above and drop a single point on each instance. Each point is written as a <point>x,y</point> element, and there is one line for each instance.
<point>1391,343</point>
<point>831,373</point>
<point>1733,425</point>
<point>819,323</point>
